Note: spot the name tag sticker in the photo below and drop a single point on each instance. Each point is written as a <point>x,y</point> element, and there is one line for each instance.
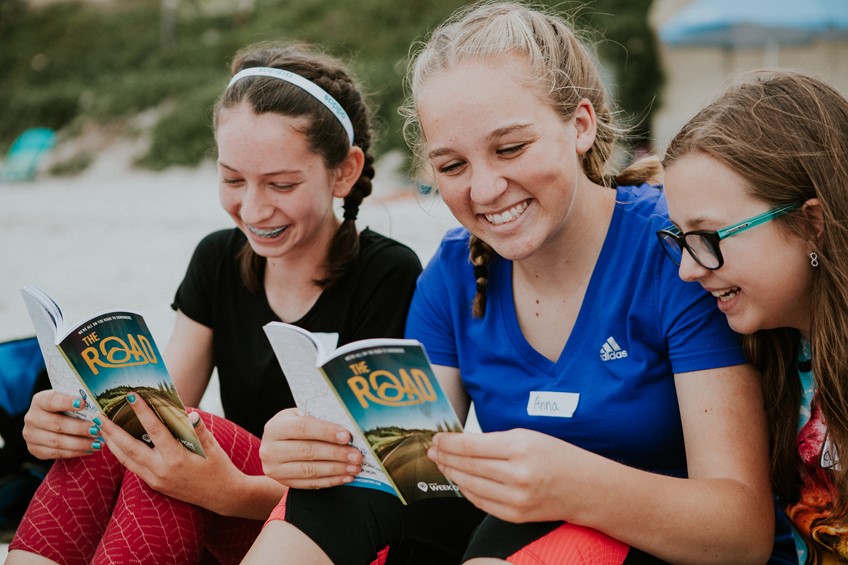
<point>556,404</point>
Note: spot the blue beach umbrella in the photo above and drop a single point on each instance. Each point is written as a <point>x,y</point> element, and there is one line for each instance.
<point>756,23</point>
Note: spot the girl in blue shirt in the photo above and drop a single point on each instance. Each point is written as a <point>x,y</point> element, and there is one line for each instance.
<point>620,422</point>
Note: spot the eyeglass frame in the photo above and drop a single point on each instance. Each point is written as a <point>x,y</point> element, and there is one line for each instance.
<point>713,237</point>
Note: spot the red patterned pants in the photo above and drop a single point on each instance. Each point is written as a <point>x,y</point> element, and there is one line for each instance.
<point>93,510</point>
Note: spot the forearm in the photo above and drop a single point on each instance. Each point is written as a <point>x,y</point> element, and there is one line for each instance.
<point>678,520</point>
<point>252,497</point>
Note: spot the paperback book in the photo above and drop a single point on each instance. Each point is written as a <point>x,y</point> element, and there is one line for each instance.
<point>103,358</point>
<point>384,392</point>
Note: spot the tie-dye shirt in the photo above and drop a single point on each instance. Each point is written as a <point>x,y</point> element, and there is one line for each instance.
<point>818,539</point>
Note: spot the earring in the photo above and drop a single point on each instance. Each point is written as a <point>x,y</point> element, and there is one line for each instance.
<point>814,259</point>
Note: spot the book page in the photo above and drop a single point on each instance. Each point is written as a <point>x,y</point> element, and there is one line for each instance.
<point>62,378</point>
<point>297,356</point>
<point>37,296</point>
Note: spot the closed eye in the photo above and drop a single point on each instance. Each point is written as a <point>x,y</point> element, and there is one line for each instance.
<point>512,150</point>
<point>451,168</point>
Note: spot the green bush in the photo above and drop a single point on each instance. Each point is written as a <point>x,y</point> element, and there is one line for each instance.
<point>68,62</point>
<point>183,136</point>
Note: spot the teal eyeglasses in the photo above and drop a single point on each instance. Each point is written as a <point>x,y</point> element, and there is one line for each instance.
<point>703,244</point>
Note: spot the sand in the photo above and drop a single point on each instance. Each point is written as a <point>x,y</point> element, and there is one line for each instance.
<point>119,237</point>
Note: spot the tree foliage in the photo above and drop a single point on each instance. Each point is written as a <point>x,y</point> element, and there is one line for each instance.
<point>68,63</point>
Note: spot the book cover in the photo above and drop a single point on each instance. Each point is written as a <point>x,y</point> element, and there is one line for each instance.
<point>102,359</point>
<point>385,393</point>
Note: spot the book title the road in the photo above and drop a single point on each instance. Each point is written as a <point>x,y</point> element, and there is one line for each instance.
<point>114,352</point>
<point>407,387</point>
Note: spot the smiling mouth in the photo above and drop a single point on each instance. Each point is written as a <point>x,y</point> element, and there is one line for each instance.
<point>726,294</point>
<point>508,216</point>
<point>266,234</point>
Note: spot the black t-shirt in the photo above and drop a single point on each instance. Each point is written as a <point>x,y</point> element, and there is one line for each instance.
<point>370,301</point>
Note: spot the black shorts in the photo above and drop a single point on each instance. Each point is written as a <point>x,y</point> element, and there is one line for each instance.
<point>353,524</point>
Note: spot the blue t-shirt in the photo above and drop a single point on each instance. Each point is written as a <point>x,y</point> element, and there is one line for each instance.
<point>639,324</point>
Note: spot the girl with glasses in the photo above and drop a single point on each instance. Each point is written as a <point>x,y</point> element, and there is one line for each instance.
<point>621,424</point>
<point>773,149</point>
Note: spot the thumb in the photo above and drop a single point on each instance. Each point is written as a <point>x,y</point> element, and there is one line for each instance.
<point>207,440</point>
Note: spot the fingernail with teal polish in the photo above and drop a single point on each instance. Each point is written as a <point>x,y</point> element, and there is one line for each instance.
<point>100,439</point>
<point>96,445</point>
<point>94,430</point>
<point>77,402</point>
<point>130,398</point>
<point>97,421</point>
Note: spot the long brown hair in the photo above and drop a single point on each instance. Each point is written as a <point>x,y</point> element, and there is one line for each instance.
<point>786,134</point>
<point>326,135</point>
<point>556,57</point>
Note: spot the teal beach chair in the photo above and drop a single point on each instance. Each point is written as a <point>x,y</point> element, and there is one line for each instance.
<point>25,154</point>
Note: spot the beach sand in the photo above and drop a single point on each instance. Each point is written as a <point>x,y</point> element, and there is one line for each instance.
<point>118,237</point>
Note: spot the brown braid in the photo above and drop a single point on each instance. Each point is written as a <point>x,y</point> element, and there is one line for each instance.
<point>345,245</point>
<point>344,248</point>
<point>481,256</point>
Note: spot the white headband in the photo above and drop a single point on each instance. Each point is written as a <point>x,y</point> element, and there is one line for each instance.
<point>319,93</point>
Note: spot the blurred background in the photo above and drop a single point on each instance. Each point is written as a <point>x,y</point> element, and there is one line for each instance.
<point>705,43</point>
<point>145,72</point>
<point>150,69</point>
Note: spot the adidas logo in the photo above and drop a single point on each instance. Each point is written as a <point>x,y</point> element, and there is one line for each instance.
<point>612,351</point>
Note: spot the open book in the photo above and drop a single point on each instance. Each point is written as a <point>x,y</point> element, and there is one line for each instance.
<point>384,392</point>
<point>104,357</point>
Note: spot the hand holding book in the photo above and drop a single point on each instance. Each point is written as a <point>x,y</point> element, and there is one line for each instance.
<point>330,459</point>
<point>104,358</point>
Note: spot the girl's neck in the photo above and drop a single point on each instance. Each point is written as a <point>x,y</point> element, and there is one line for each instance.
<point>549,287</point>
<point>290,288</point>
<point>571,255</point>
<point>286,272</point>
<point>289,280</point>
